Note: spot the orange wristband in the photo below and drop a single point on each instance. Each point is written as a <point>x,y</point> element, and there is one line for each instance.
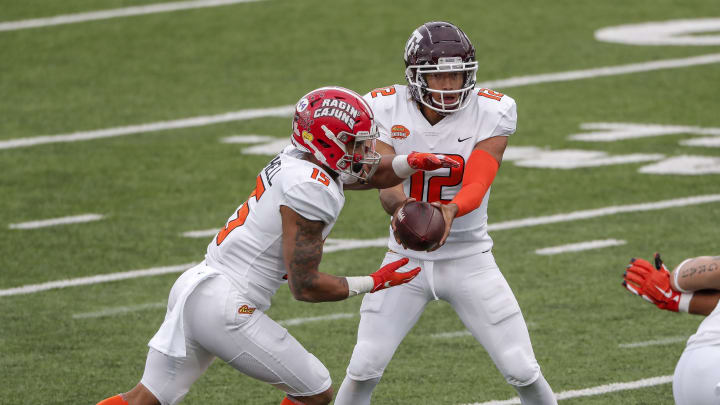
<point>479,174</point>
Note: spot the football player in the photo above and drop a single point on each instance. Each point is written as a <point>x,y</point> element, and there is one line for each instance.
<point>694,287</point>
<point>217,308</point>
<point>441,111</point>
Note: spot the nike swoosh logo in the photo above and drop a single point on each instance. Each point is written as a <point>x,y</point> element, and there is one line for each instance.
<point>464,139</point>
<point>667,294</point>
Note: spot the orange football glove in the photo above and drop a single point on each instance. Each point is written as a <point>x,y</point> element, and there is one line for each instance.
<point>388,276</point>
<point>652,283</point>
<point>430,161</point>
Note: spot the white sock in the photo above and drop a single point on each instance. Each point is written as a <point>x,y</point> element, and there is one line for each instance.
<point>537,393</point>
<point>353,392</point>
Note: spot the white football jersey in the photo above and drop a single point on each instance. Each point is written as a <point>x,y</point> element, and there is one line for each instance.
<point>249,248</point>
<point>708,332</point>
<point>402,126</point>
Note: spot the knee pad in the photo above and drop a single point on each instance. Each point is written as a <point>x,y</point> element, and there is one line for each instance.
<point>518,367</point>
<point>368,361</point>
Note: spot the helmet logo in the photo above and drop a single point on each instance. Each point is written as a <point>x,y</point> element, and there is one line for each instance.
<point>307,136</point>
<point>338,109</point>
<point>412,44</point>
<point>399,132</point>
<point>302,104</point>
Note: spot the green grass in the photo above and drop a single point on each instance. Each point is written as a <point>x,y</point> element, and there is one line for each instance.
<point>154,186</point>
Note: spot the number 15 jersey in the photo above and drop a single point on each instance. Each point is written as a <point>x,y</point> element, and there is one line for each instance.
<point>403,126</point>
<point>248,250</point>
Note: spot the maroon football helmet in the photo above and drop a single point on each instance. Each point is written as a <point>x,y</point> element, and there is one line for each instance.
<point>439,47</point>
<point>338,127</point>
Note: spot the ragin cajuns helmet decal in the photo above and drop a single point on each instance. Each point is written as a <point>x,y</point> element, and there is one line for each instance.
<point>338,127</point>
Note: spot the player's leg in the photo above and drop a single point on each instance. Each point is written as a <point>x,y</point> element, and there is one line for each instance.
<point>483,300</point>
<point>697,377</point>
<point>167,379</point>
<point>385,318</point>
<point>234,330</point>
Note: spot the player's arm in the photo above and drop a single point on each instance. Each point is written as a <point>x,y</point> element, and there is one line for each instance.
<point>480,170</point>
<point>393,169</point>
<point>701,277</point>
<point>694,285</point>
<point>302,251</point>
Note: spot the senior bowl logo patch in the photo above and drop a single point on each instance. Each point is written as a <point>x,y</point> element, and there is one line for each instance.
<point>246,310</point>
<point>399,132</point>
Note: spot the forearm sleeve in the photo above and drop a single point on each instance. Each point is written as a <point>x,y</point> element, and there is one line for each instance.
<point>479,174</point>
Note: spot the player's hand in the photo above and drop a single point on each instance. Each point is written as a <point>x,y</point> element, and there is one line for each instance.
<point>430,161</point>
<point>652,283</point>
<point>393,221</point>
<point>389,276</point>
<point>448,211</point>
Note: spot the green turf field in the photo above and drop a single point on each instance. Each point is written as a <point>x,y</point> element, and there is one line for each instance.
<point>66,345</point>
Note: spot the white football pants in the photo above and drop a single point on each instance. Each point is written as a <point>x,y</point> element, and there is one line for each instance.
<point>220,322</point>
<point>697,377</point>
<point>478,293</point>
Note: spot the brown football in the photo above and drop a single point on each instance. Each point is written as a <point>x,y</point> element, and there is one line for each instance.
<point>420,226</point>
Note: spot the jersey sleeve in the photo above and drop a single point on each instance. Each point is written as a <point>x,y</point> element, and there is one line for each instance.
<point>508,119</point>
<point>312,201</point>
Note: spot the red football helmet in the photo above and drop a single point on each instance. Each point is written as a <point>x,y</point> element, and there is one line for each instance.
<point>338,127</point>
<point>440,47</point>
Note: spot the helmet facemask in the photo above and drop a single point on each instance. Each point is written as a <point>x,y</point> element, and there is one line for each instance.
<point>360,160</point>
<point>415,75</point>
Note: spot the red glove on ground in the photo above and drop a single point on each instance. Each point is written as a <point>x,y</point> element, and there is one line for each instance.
<point>388,276</point>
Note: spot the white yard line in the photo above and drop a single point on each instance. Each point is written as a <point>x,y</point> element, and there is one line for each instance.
<point>115,13</point>
<point>330,317</point>
<point>282,111</point>
<point>600,212</point>
<point>604,71</point>
<point>56,221</point>
<point>286,111</point>
<point>343,244</point>
<point>577,247</point>
<point>119,310</point>
<point>102,278</point>
<point>657,342</point>
<point>449,335</point>
<point>599,390</point>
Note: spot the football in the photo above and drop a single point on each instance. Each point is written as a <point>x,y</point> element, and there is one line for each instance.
<point>420,226</point>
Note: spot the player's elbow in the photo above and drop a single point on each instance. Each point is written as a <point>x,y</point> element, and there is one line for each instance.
<point>305,294</point>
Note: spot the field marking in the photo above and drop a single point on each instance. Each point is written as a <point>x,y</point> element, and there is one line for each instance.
<point>331,244</point>
<point>56,221</point>
<point>617,131</point>
<point>248,139</point>
<point>102,278</point>
<point>578,247</point>
<point>330,317</point>
<point>599,390</point>
<point>282,111</point>
<point>684,165</point>
<point>600,212</point>
<point>344,244</point>
<point>604,71</point>
<point>656,342</point>
<point>287,110</point>
<point>450,335</point>
<point>115,13</point>
<point>672,32</point>
<point>119,310</point>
